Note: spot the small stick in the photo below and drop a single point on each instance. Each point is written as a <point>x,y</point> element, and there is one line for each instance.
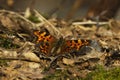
<point>22,59</point>
<point>90,22</point>
<point>54,31</point>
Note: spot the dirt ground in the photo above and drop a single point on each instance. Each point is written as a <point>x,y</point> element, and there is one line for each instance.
<point>22,58</point>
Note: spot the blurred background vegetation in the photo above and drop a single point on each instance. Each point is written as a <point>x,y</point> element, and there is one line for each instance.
<point>68,9</point>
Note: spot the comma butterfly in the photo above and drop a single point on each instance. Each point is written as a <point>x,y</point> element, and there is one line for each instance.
<point>50,46</point>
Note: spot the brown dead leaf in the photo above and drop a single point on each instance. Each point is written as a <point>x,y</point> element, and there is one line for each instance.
<point>32,75</point>
<point>31,56</point>
<point>68,61</point>
<point>103,42</point>
<point>93,28</point>
<point>34,65</point>
<point>115,26</point>
<point>8,23</point>
<point>8,53</point>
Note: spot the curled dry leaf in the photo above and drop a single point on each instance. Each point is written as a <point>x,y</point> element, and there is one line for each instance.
<point>103,42</point>
<point>93,28</point>
<point>31,56</point>
<point>92,54</point>
<point>7,53</point>
<point>8,23</point>
<point>68,61</point>
<point>115,26</point>
<point>34,65</point>
<point>116,63</point>
<point>33,75</point>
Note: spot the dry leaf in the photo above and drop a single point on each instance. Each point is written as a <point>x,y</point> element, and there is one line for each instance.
<point>34,65</point>
<point>68,61</point>
<point>31,56</point>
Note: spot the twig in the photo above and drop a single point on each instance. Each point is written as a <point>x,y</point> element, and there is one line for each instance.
<point>22,59</point>
<point>90,22</point>
<point>51,28</point>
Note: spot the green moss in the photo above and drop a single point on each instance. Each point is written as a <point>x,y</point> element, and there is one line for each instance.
<point>61,75</point>
<point>34,19</point>
<point>101,74</point>
<point>7,43</point>
<point>3,62</point>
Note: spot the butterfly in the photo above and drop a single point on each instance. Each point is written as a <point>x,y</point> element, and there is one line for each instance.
<point>50,46</point>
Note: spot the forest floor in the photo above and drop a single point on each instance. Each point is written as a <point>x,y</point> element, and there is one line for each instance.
<point>35,48</point>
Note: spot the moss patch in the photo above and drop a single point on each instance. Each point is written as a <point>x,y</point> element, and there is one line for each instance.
<point>101,74</point>
<point>7,43</point>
